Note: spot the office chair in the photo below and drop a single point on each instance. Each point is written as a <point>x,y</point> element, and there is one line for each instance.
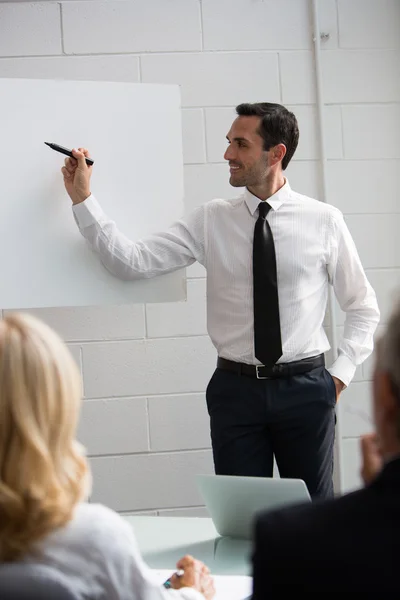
<point>21,581</point>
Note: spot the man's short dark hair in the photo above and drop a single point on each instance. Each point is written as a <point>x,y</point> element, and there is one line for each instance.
<point>278,126</point>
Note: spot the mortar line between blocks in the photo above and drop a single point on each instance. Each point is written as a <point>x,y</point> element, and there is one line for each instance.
<point>140,339</point>
<point>61,28</point>
<point>199,51</point>
<point>280,78</point>
<point>201,25</point>
<point>157,52</point>
<point>204,114</point>
<point>337,24</point>
<point>148,424</point>
<point>342,132</point>
<point>146,329</point>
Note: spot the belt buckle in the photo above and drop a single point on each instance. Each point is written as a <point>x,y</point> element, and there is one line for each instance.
<point>257,373</point>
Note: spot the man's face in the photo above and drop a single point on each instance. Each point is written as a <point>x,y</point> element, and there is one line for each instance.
<point>248,161</point>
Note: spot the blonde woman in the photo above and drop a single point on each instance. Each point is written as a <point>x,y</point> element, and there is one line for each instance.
<point>44,480</point>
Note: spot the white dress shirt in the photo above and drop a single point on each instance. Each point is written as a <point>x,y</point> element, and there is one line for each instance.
<point>98,553</point>
<point>313,248</point>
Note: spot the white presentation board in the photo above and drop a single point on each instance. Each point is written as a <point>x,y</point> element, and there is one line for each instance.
<point>133,132</point>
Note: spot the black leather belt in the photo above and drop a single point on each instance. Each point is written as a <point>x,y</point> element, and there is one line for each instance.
<point>279,370</point>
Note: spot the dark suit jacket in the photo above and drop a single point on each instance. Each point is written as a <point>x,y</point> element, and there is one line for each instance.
<point>326,549</point>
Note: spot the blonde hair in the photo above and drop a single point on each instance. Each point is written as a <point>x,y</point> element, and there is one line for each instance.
<point>43,472</point>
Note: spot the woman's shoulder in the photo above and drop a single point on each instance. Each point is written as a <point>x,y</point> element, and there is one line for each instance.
<point>88,511</point>
<point>94,530</point>
<point>97,518</point>
<point>92,525</point>
<point>90,548</point>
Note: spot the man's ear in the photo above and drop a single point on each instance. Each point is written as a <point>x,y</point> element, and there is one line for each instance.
<point>277,154</point>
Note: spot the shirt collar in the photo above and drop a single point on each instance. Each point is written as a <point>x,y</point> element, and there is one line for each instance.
<point>274,201</point>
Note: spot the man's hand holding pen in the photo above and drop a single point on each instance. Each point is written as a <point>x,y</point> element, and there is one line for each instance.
<point>77,175</point>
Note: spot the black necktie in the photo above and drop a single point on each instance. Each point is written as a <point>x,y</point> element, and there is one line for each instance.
<point>267,331</point>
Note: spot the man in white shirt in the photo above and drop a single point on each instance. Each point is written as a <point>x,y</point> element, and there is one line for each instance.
<point>270,255</point>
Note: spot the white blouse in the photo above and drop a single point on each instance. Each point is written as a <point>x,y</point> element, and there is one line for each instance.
<point>98,555</point>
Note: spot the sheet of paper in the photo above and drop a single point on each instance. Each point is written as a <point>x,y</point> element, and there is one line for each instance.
<point>233,587</point>
<point>228,587</point>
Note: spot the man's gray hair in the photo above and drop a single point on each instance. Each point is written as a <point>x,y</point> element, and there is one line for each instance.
<point>389,350</point>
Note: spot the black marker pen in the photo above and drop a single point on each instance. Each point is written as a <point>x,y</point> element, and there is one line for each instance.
<point>67,152</point>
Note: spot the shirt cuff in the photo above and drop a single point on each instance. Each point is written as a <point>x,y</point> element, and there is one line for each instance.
<point>88,212</point>
<point>343,369</point>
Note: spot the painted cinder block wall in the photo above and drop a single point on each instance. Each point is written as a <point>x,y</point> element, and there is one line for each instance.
<point>145,367</point>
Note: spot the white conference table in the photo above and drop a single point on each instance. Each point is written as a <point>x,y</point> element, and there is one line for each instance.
<point>164,540</point>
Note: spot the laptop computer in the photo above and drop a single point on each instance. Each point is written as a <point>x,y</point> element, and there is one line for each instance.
<point>233,501</point>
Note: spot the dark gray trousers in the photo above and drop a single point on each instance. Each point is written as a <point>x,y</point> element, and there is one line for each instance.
<point>291,418</point>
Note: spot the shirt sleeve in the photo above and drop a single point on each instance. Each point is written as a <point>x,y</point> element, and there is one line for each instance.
<point>125,569</point>
<point>178,247</point>
<point>356,298</point>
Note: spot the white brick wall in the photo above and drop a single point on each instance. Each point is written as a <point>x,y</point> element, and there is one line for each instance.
<point>145,368</point>
<point>151,26</point>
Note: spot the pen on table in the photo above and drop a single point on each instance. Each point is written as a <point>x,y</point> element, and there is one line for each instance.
<point>178,573</point>
<point>65,151</point>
